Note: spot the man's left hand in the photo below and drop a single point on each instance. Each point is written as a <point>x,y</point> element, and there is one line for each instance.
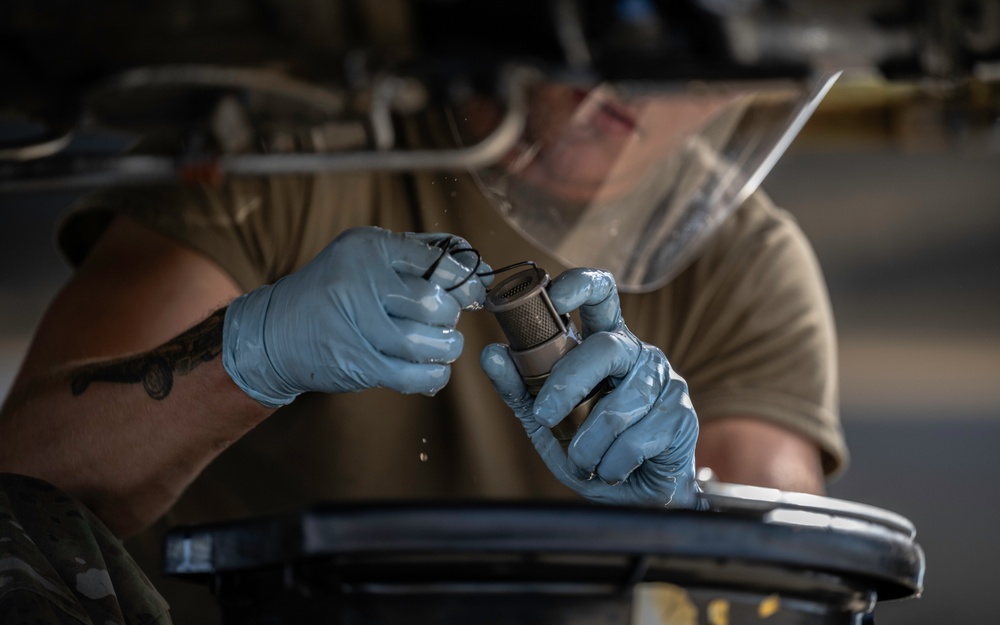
<point>637,445</point>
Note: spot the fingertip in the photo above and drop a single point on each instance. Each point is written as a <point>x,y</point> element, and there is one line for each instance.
<point>585,474</point>
<point>628,452</point>
<point>485,273</point>
<point>581,286</point>
<point>499,368</point>
<point>454,346</point>
<point>423,379</point>
<point>470,294</point>
<point>616,476</point>
<point>494,359</point>
<point>569,290</point>
<point>439,376</point>
<point>614,469</point>
<point>547,410</point>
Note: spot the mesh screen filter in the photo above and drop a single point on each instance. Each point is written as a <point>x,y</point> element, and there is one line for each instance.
<point>530,324</point>
<point>523,310</point>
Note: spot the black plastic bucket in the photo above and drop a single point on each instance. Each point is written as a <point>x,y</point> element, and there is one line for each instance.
<point>757,556</point>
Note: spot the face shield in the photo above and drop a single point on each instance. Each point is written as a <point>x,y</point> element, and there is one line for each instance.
<point>633,180</point>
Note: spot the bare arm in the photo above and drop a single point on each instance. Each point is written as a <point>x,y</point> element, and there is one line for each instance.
<point>744,450</point>
<point>123,397</point>
<point>120,401</point>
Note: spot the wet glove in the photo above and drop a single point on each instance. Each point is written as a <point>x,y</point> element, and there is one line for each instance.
<point>373,309</point>
<point>637,445</point>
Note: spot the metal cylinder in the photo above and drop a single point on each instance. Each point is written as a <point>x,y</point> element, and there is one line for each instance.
<point>538,337</point>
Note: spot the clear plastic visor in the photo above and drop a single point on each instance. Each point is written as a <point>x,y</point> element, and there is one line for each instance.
<point>635,179</point>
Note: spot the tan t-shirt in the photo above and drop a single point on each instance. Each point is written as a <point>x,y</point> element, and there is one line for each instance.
<point>748,325</point>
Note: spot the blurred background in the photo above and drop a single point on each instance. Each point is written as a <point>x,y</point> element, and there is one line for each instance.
<point>900,196</point>
<point>908,235</point>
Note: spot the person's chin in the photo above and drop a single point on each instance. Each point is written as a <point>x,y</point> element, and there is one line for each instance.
<point>577,170</point>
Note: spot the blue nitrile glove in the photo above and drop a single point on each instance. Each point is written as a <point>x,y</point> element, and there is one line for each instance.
<point>360,315</point>
<point>637,445</point>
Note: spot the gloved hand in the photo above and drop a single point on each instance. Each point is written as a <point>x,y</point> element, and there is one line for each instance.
<point>637,445</point>
<point>359,315</point>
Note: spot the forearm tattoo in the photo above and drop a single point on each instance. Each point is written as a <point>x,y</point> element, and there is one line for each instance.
<point>156,368</point>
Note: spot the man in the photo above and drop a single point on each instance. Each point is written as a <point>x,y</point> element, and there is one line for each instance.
<point>150,390</point>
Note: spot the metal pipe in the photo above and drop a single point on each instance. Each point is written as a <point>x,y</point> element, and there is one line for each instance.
<point>86,171</point>
<point>41,147</point>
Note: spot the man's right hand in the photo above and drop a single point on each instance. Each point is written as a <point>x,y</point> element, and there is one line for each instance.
<point>359,315</point>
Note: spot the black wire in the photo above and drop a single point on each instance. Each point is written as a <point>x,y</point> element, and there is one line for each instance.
<point>479,262</point>
<point>446,248</point>
<point>508,268</point>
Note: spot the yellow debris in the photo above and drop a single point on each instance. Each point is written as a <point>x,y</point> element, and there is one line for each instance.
<point>769,606</point>
<point>718,612</point>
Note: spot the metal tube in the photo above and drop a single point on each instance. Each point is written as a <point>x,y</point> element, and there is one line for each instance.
<point>91,171</point>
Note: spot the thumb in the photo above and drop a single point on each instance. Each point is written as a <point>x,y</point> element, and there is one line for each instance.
<point>499,367</point>
<point>496,362</point>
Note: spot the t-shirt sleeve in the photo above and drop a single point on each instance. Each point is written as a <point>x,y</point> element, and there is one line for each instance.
<point>257,229</point>
<point>759,339</point>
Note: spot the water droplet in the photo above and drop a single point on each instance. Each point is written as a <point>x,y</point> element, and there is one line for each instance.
<point>423,457</point>
<point>423,440</point>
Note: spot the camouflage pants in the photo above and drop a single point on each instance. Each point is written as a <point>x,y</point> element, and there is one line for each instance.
<point>60,564</point>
